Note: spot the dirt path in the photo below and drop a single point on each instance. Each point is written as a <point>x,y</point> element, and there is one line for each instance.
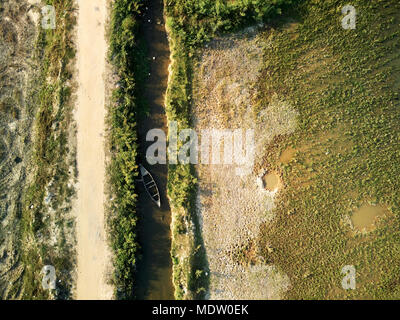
<point>93,252</point>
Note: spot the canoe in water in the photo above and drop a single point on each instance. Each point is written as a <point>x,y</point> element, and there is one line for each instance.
<point>150,185</point>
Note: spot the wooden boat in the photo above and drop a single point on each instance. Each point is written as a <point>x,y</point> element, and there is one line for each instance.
<point>150,185</point>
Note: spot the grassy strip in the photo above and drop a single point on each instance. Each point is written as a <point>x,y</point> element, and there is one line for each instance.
<point>345,84</point>
<point>123,170</point>
<point>55,52</point>
<point>190,23</point>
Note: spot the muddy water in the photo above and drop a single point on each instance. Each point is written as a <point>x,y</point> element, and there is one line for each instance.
<point>154,278</point>
<point>271,181</point>
<point>287,155</point>
<point>365,217</point>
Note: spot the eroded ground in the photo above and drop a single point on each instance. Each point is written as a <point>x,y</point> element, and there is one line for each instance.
<point>37,151</point>
<point>17,35</point>
<point>233,201</point>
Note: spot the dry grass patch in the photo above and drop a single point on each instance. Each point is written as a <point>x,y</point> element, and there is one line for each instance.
<point>232,208</point>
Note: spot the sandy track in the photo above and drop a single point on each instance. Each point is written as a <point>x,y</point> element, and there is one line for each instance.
<point>93,252</point>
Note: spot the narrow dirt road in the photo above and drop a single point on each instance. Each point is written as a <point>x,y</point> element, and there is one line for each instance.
<point>93,252</point>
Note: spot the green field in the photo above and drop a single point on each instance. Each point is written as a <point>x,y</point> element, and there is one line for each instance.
<point>345,85</point>
<point>345,152</point>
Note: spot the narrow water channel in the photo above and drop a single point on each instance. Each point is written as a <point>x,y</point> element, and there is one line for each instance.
<point>154,277</point>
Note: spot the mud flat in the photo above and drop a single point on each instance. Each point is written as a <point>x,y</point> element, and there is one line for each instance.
<point>365,218</point>
<point>271,181</point>
<point>92,248</point>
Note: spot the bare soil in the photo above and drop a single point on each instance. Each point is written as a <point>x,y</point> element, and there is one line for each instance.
<point>93,252</point>
<point>17,37</point>
<point>233,207</point>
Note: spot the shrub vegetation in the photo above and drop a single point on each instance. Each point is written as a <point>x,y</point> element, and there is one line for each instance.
<point>52,162</point>
<point>125,56</point>
<point>344,84</point>
<point>191,23</point>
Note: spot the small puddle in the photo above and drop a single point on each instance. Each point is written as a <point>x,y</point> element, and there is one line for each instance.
<point>287,155</point>
<point>271,181</point>
<point>365,217</point>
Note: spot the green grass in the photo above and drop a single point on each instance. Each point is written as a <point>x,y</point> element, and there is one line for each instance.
<point>54,53</point>
<point>345,84</point>
<point>126,56</point>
